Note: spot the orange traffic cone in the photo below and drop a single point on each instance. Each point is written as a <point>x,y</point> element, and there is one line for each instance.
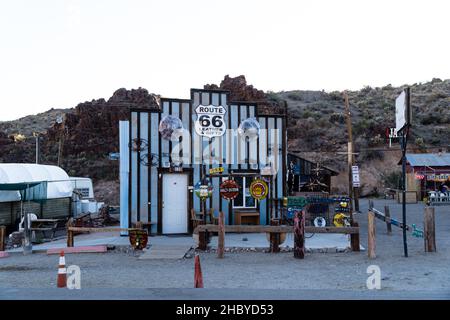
<point>62,276</point>
<point>198,277</point>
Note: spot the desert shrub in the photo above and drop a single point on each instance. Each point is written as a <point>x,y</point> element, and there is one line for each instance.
<point>307,114</point>
<point>419,142</point>
<point>296,96</point>
<point>392,180</point>
<point>337,117</point>
<point>431,118</point>
<point>336,95</point>
<point>368,155</point>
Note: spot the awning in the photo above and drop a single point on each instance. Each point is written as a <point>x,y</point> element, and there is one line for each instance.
<point>28,190</point>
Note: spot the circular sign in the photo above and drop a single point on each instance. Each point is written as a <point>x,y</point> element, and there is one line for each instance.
<point>249,128</point>
<point>203,189</point>
<point>138,239</point>
<point>340,220</point>
<point>259,189</point>
<point>170,125</point>
<point>229,189</point>
<point>320,222</point>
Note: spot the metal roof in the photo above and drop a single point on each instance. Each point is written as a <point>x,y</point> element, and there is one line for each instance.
<point>428,159</point>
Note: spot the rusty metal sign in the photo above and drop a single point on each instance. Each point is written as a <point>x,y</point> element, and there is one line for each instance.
<point>229,189</point>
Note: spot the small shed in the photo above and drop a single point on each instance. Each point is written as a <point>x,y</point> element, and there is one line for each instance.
<point>426,172</point>
<point>46,191</point>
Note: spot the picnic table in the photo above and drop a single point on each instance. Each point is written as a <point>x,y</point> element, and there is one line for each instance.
<point>44,225</point>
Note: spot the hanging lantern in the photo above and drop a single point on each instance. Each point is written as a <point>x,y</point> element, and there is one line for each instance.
<point>249,128</point>
<point>168,125</point>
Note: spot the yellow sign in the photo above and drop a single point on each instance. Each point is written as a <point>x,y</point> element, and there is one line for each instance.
<point>259,189</point>
<point>216,170</point>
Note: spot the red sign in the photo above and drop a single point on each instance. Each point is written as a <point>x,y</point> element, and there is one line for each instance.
<point>229,189</point>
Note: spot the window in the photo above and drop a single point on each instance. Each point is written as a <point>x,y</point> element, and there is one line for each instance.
<point>244,199</point>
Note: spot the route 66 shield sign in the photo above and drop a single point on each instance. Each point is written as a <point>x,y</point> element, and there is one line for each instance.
<point>210,121</point>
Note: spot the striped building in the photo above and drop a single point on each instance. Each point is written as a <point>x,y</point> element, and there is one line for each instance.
<point>162,173</point>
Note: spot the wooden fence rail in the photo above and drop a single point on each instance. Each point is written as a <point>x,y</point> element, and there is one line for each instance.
<point>203,230</point>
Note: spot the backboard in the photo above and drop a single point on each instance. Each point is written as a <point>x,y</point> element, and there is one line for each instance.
<point>402,111</point>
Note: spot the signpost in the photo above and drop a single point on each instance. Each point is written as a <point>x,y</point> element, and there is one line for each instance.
<point>402,124</point>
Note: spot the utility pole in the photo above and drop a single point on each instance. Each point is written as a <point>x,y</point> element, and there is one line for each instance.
<point>351,157</point>
<point>404,142</point>
<point>36,136</point>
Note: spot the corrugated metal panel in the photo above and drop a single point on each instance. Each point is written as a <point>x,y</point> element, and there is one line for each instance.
<point>5,213</point>
<point>133,193</point>
<point>56,208</point>
<point>428,159</point>
<point>143,199</point>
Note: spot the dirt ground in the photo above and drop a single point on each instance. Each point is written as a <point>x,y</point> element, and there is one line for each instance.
<point>257,270</point>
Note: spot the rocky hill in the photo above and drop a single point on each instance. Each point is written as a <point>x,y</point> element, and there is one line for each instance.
<point>316,129</point>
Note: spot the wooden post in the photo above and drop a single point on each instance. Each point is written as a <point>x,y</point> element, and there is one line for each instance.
<point>387,214</point>
<point>274,238</point>
<point>2,238</point>
<point>139,225</point>
<point>69,233</point>
<point>353,191</point>
<point>202,245</point>
<point>371,235</point>
<point>354,238</point>
<point>221,240</point>
<point>299,235</point>
<point>429,235</point>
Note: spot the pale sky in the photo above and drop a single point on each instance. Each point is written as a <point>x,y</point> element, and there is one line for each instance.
<point>57,53</point>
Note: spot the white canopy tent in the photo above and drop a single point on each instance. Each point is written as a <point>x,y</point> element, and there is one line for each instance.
<point>58,182</point>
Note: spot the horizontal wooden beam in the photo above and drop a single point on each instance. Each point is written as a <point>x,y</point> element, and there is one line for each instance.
<point>274,229</point>
<point>81,229</point>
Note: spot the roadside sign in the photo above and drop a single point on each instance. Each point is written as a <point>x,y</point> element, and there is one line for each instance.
<point>355,176</point>
<point>259,189</point>
<point>210,121</point>
<point>229,189</point>
<point>216,170</point>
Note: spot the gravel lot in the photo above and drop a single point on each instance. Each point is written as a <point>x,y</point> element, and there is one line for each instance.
<point>256,270</point>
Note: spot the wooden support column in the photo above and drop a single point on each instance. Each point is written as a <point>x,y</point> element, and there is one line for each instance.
<point>429,233</point>
<point>371,235</point>
<point>387,214</point>
<point>299,235</point>
<point>2,238</point>
<point>221,240</point>
<point>354,238</point>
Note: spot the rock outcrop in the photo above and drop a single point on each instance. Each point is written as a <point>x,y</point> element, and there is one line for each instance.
<point>241,91</point>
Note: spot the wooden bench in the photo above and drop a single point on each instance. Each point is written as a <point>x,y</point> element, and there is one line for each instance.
<point>246,217</point>
<point>44,225</point>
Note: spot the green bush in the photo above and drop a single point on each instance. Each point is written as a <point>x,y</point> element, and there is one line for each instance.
<point>392,180</point>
